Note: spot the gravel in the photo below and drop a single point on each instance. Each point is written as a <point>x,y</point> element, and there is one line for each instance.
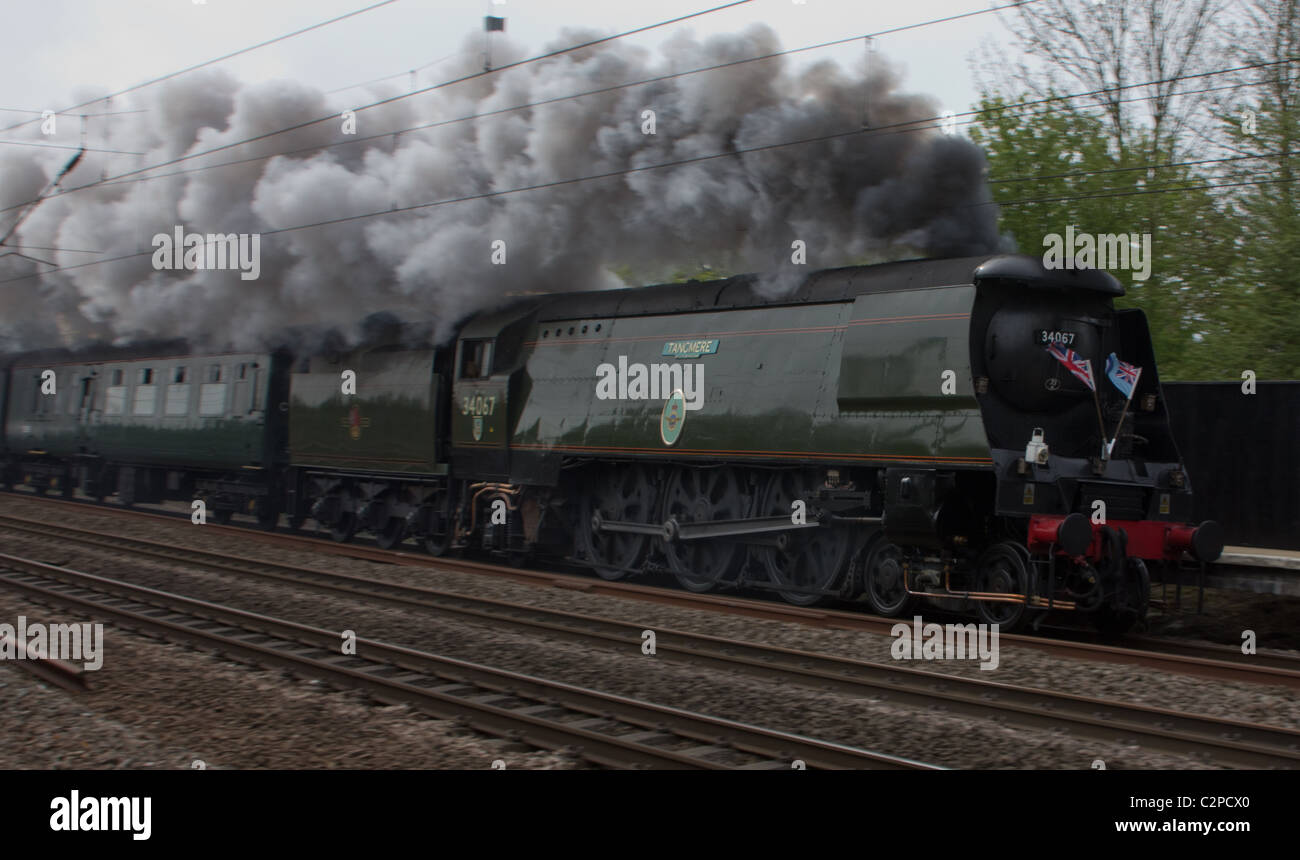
<point>157,705</point>
<point>305,723</point>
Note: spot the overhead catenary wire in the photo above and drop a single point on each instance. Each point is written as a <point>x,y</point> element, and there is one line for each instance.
<point>712,156</point>
<point>664,165</point>
<point>735,152</point>
<point>61,146</point>
<point>916,125</point>
<point>118,178</point>
<point>215,60</point>
<point>72,112</point>
<point>463,79</point>
<point>730,153</point>
<point>906,126</point>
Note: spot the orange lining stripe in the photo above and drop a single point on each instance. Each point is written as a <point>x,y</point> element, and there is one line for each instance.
<point>805,330</point>
<point>369,459</point>
<point>715,451</point>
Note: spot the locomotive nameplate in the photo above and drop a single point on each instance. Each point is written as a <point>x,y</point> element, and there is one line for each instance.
<point>691,348</point>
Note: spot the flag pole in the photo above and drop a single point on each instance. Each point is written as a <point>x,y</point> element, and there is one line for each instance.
<point>1124,411</point>
<point>1120,425</point>
<point>1101,425</point>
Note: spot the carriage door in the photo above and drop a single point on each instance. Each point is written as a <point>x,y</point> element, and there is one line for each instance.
<point>86,404</point>
<point>479,425</point>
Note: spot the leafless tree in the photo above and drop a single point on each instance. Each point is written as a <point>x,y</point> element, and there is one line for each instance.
<point>1138,57</point>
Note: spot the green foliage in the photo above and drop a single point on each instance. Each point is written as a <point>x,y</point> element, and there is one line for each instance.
<point>1259,322</point>
<point>1053,168</point>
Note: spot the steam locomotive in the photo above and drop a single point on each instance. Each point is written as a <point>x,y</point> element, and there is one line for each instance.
<point>896,434</point>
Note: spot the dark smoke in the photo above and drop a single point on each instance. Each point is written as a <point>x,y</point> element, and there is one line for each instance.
<point>866,196</point>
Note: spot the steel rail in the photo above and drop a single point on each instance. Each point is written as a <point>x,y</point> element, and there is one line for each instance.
<point>1213,739</point>
<point>612,731</point>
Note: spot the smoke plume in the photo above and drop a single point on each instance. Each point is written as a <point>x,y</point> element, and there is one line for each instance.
<point>886,192</point>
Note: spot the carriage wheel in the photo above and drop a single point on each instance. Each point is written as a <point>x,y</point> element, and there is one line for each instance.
<point>268,517</point>
<point>437,545</point>
<point>392,534</point>
<point>345,529</point>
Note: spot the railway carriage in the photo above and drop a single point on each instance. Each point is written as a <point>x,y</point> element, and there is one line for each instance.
<point>150,424</point>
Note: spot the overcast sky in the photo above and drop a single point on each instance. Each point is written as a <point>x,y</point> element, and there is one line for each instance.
<point>61,52</point>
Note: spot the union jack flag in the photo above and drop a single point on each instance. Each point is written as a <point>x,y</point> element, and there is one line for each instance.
<point>1075,363</point>
<point>1123,375</point>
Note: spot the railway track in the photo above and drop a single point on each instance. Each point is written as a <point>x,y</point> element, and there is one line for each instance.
<point>1218,662</point>
<point>607,730</point>
<point>1210,740</point>
<point>57,672</point>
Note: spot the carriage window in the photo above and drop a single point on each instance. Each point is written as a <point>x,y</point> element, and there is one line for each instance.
<point>146,398</point>
<point>212,399</point>
<point>117,377</point>
<point>473,359</point>
<point>178,375</point>
<point>214,373</point>
<point>146,376</point>
<point>115,400</point>
<point>242,372</point>
<point>178,399</point>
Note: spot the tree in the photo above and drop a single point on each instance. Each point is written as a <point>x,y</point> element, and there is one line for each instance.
<point>1259,128</point>
<point>1135,54</point>
<point>1124,168</point>
<point>1052,168</point>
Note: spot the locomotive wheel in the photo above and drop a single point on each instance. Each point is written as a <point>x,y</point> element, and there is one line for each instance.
<point>700,495</point>
<point>344,530</point>
<point>1002,570</point>
<point>622,494</point>
<point>392,534</point>
<point>814,558</point>
<point>884,586</point>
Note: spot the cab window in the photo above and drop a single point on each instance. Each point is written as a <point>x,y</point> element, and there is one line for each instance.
<point>474,357</point>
